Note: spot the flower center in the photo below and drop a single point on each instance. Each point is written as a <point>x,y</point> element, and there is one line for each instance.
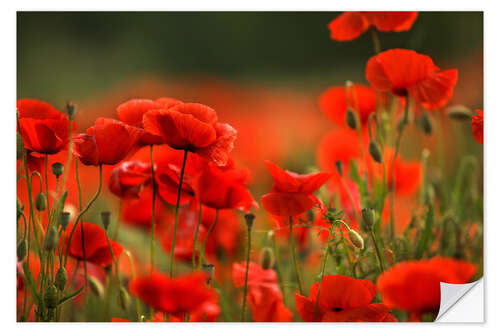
<point>337,309</point>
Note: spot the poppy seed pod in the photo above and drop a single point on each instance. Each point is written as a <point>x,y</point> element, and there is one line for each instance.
<point>57,169</point>
<point>351,119</point>
<point>21,250</point>
<point>460,112</point>
<point>356,239</point>
<point>64,219</point>
<point>368,217</point>
<point>50,297</point>
<point>267,258</point>
<point>41,201</point>
<point>249,218</point>
<point>375,152</point>
<point>61,278</point>
<point>106,219</point>
<point>19,146</point>
<point>123,299</point>
<point>50,241</point>
<point>96,286</point>
<point>70,109</point>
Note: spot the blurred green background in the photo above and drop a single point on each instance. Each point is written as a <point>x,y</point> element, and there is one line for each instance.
<point>62,55</point>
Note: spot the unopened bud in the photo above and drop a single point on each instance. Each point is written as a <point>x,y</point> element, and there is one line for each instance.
<point>460,112</point>
<point>61,278</point>
<point>41,201</point>
<point>106,219</point>
<point>19,146</point>
<point>425,123</point>
<point>50,241</point>
<point>64,219</point>
<point>375,152</point>
<point>356,239</point>
<point>19,208</point>
<point>50,297</point>
<point>338,166</point>
<point>249,218</point>
<point>351,119</point>
<point>70,109</point>
<point>267,258</point>
<point>57,169</point>
<point>96,286</point>
<point>21,250</point>
<point>368,217</point>
<point>123,299</point>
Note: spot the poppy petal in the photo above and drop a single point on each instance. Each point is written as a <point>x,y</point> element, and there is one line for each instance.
<point>347,26</point>
<point>288,204</point>
<point>435,91</point>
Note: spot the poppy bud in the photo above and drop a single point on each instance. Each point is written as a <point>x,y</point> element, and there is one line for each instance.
<point>425,123</point>
<point>356,239</point>
<point>460,112</point>
<point>368,217</point>
<point>267,258</point>
<point>21,250</point>
<point>61,278</point>
<point>375,152</point>
<point>19,146</point>
<point>20,208</point>
<point>209,269</point>
<point>50,297</point>
<point>96,286</point>
<point>70,109</point>
<point>64,219</point>
<point>389,256</point>
<point>338,166</point>
<point>106,219</point>
<point>50,241</point>
<point>41,202</point>
<point>57,169</point>
<point>123,298</point>
<point>350,119</point>
<point>249,220</point>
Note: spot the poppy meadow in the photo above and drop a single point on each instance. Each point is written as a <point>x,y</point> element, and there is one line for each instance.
<point>163,204</point>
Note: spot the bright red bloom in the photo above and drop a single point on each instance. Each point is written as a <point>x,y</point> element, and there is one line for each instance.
<point>333,103</point>
<point>132,112</point>
<point>414,285</point>
<point>291,193</point>
<point>177,296</point>
<point>96,245</point>
<point>128,179</point>
<point>477,126</point>
<point>168,178</point>
<point>192,127</point>
<point>107,142</point>
<point>406,72</point>
<point>263,293</point>
<point>350,25</point>
<point>44,129</point>
<point>343,299</point>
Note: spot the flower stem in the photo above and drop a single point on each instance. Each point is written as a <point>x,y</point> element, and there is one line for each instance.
<point>171,270</point>
<point>323,267</point>
<point>196,238</point>
<point>202,253</point>
<point>376,41</point>
<point>70,155</point>
<point>153,217</point>
<point>245,288</point>
<point>47,188</point>
<point>379,257</point>
<point>294,256</point>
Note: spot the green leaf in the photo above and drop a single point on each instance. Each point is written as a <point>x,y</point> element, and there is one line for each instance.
<point>425,237</point>
<point>67,297</point>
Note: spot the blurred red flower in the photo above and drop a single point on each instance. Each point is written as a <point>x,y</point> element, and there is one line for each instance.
<point>44,129</point>
<point>192,127</point>
<point>96,245</point>
<point>263,293</point>
<point>138,212</point>
<point>477,126</point>
<point>350,25</point>
<point>413,286</point>
<point>407,174</point>
<point>406,72</point>
<point>129,178</point>
<point>343,299</point>
<point>107,142</point>
<point>291,193</point>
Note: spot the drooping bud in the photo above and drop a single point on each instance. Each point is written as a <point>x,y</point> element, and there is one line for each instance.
<point>61,278</point>
<point>356,239</point>
<point>96,286</point>
<point>460,112</point>
<point>70,109</point>
<point>20,208</point>
<point>21,250</point>
<point>64,219</point>
<point>19,146</point>
<point>368,217</point>
<point>123,299</point>
<point>338,166</point>
<point>106,219</point>
<point>249,218</point>
<point>266,258</point>
<point>50,241</point>
<point>351,119</point>
<point>375,152</point>
<point>41,201</point>
<point>50,297</point>
<point>57,169</point>
<point>425,123</point>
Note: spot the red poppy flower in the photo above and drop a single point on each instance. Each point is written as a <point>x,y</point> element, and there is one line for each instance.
<point>343,299</point>
<point>300,233</point>
<point>107,142</point>
<point>263,293</point>
<point>224,188</point>
<point>96,245</point>
<point>338,145</point>
<point>291,193</point>
<point>350,25</point>
<point>333,103</point>
<point>132,112</point>
<point>414,286</point>
<point>407,174</point>
<point>406,72</point>
<point>168,178</point>
<point>128,179</point>
<point>138,212</point>
<point>177,296</point>
<point>477,126</point>
<point>192,127</point>
<point>44,129</point>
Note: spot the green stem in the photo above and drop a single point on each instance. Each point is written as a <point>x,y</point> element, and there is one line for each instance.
<point>70,155</point>
<point>294,256</point>
<point>204,246</point>
<point>379,257</point>
<point>242,317</point>
<point>47,188</point>
<point>376,40</point>
<point>278,266</point>
<point>196,238</point>
<point>132,268</point>
<point>171,270</point>
<point>323,266</point>
<point>153,217</point>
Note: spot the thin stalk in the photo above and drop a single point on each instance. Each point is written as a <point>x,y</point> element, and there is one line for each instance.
<point>349,260</point>
<point>323,267</point>
<point>132,268</point>
<point>115,232</point>
<point>212,226</point>
<point>379,257</point>
<point>245,288</point>
<point>196,238</point>
<point>153,217</point>
<point>294,256</point>
<point>376,40</point>
<point>70,155</point>
<point>278,266</point>
<point>171,270</point>
<point>47,188</point>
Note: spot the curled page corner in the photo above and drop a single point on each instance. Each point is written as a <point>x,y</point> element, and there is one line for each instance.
<point>462,302</point>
